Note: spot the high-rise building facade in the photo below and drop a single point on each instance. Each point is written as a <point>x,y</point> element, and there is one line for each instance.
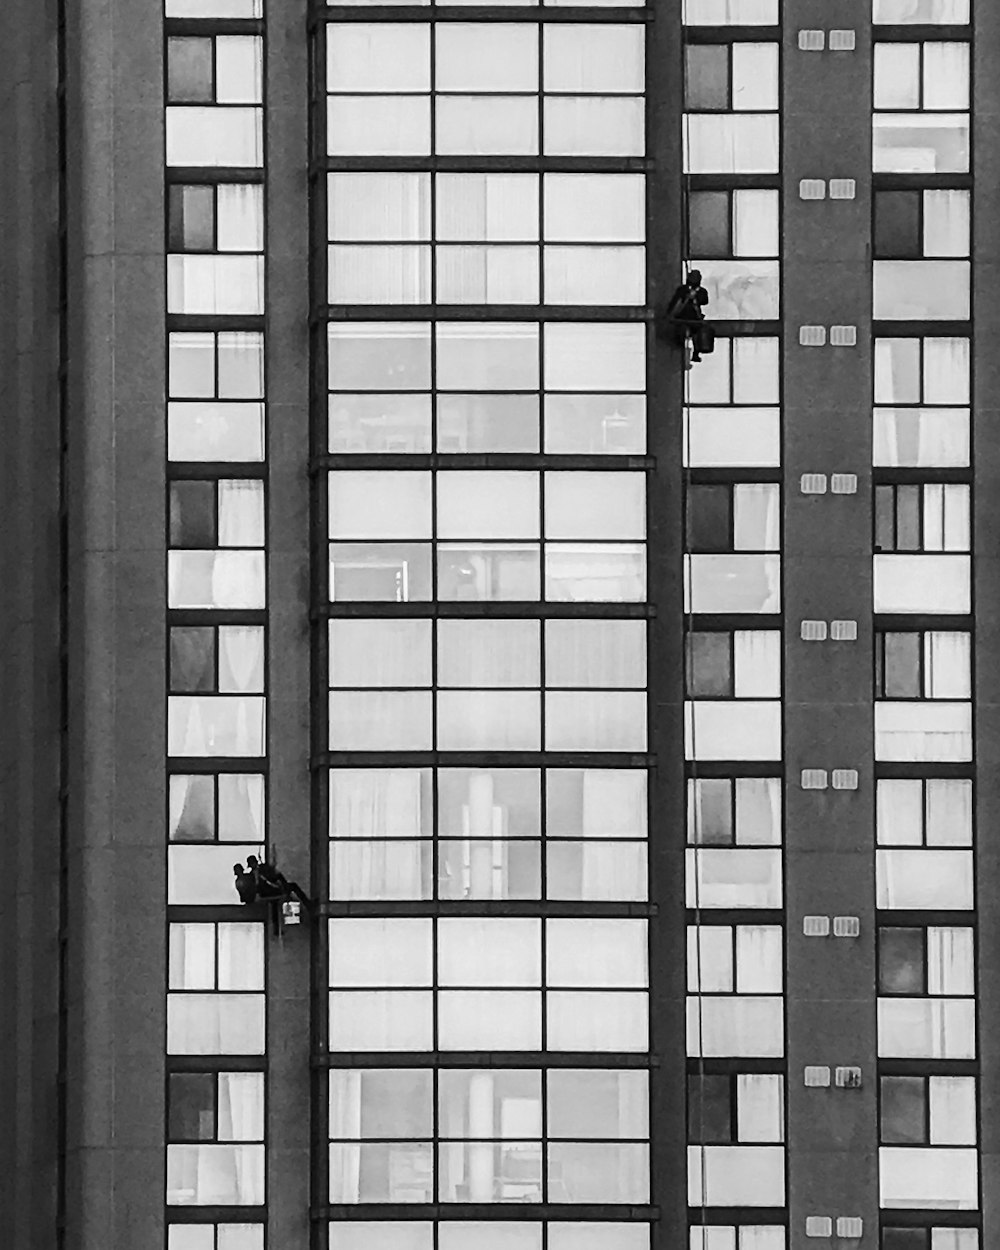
<point>627,719</point>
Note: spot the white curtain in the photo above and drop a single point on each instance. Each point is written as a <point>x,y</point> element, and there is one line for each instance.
<point>731,143</point>
<point>946,75</point>
<point>760,1107</point>
<point>224,579</point>
<point>192,956</point>
<point>241,512</point>
<point>757,517</point>
<point>758,811</point>
<point>946,370</point>
<point>613,806</point>
<point>755,370</point>
<point>394,207</point>
<point>242,1237</point>
<point>375,806</point>
<point>947,664</point>
<point>241,1119</point>
<point>757,663</point>
<point>950,969</point>
<point>241,1106</point>
<point>345,1131</point>
<point>241,807</point>
<point>192,808</point>
<point>946,223</point>
<point>755,223</point>
<point>899,807</point>
<point>215,284</point>
<point>241,956</point>
<point>949,812</point>
<point>762,1237</point>
<point>897,371</point>
<point>240,364</point>
<point>914,437</point>
<point>759,965</point>
<point>210,725</point>
<point>241,658</point>
<point>240,217</point>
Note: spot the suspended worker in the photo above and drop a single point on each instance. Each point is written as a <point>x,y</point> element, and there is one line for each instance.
<point>246,886</point>
<point>685,307</point>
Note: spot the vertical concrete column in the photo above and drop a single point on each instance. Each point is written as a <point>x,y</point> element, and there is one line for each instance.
<point>832,1133</point>
<point>117,606</point>
<point>289,697</point>
<point>30,610</point>
<point>665,529</point>
<point>986,585</point>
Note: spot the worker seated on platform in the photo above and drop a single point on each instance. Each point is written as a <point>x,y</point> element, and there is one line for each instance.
<point>246,886</point>
<point>685,308</point>
<point>272,884</point>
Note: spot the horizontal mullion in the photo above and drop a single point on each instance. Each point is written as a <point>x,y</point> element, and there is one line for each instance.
<point>921,182</point>
<point>525,1059</point>
<point>920,621</point>
<point>482,759</point>
<point>928,917</point>
<point>921,329</point>
<point>706,917</point>
<point>531,610</point>
<point>483,460</point>
<point>212,1215</point>
<point>883,475</point>
<point>707,769</point>
<point>735,328</point>
<point>901,770</point>
<point>216,616</point>
<point>734,1066</point>
<point>484,164</point>
<point>732,34</point>
<point>194,323</point>
<point>912,33</point>
<point>217,764</point>
<point>725,621</point>
<point>923,1217</point>
<point>323,14</point>
<point>928,1067</point>
<point>733,182</point>
<point>485,312</point>
<point>199,470</point>
<point>211,765</point>
<point>207,26</point>
<point>745,475</point>
<point>205,913</point>
<point>534,909</point>
<point>216,1063</point>
<point>489,1211</point>
<point>212,175</point>
<point>698,1216</point>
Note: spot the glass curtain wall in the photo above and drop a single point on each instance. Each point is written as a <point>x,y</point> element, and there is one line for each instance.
<point>216,614</point>
<point>481,431</point>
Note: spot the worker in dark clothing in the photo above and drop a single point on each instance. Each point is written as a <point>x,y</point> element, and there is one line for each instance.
<point>685,307</point>
<point>246,886</point>
<point>274,887</point>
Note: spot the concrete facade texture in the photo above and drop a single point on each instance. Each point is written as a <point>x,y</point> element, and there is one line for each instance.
<point>82,594</point>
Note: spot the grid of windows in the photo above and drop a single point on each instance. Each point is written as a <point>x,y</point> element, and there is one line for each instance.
<point>217,677</point>
<point>733,658</point>
<point>488,834</point>
<point>485,355</point>
<point>922,504</point>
